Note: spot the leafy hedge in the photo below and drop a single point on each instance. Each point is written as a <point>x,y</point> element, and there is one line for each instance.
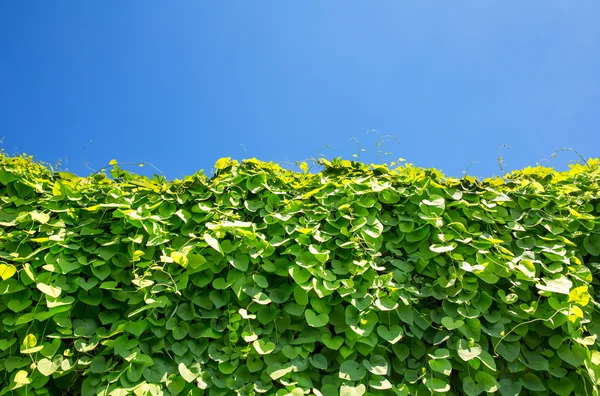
<point>355,280</point>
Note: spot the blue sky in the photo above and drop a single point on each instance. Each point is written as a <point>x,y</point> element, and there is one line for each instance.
<point>183,83</point>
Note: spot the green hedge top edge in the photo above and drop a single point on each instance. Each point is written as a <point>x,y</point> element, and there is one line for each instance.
<point>357,280</point>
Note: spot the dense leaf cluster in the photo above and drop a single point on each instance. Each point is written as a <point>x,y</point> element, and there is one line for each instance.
<point>355,280</point>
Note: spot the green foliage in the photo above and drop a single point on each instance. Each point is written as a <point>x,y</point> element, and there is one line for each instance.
<point>356,280</point>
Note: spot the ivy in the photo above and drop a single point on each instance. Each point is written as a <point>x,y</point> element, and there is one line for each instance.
<point>357,280</point>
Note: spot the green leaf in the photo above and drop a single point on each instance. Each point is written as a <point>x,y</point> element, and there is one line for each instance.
<point>332,342</point>
<point>99,365</point>
<point>175,384</point>
<point>532,382</point>
<point>386,304</point>
<point>291,352</point>
<point>87,284</point>
<point>442,366</point>
<point>240,262</point>
<point>7,177</point>
<point>260,281</point>
<point>195,260</point>
<point>300,275</point>
<point>319,361</point>
<point>405,312</point>
<point>301,295</point>
<point>471,387</point>
<point>509,350</point>
<point>472,329</point>
<point>346,351</point>
<point>452,324</point>
<point>136,328</point>
<point>437,384</point>
<point>262,347</point>
<point>486,382</point>
<point>376,365</point>
<point>179,349</point>
<point>278,370</point>
<point>107,317</point>
<point>351,371</point>
<point>487,360</point>
<point>94,297</point>
<point>392,334</point>
<point>574,354</point>
<point>315,320</point>
<point>561,386</point>
<point>50,348</point>
<point>5,344</point>
<point>181,330</point>
<point>228,367</point>
<point>123,344</point>
<point>510,388</point>
<point>591,245</point>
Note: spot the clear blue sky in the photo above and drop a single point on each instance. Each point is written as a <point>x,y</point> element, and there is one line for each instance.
<point>183,83</point>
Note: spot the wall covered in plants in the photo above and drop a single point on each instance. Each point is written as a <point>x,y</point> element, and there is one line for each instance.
<point>355,280</point>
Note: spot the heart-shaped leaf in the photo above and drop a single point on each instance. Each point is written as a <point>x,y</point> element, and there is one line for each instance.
<point>392,334</point>
<point>351,371</point>
<point>18,306</point>
<point>486,382</point>
<point>437,385</point>
<point>442,366</point>
<point>532,382</point>
<point>107,317</point>
<point>452,324</point>
<point>291,352</point>
<point>47,367</point>
<point>510,388</point>
<point>332,342</point>
<point>345,351</point>
<point>262,347</point>
<point>7,271</point>
<point>319,361</point>
<point>315,320</point>
<point>137,328</point>
<point>561,386</point>
<point>376,365</point>
<point>277,370</point>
